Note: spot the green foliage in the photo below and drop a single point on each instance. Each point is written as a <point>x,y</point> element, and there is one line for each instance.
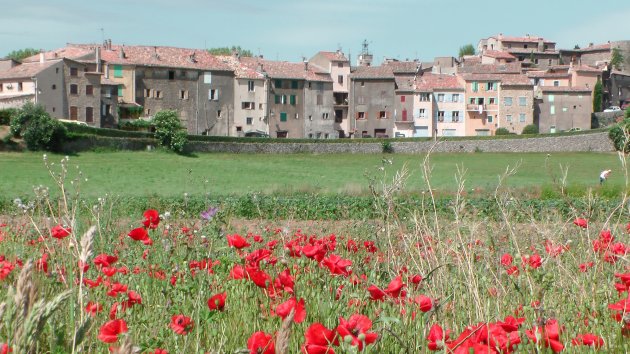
<point>76,130</point>
<point>136,124</point>
<point>387,146</point>
<point>467,49</point>
<point>502,131</point>
<point>169,131</point>
<point>616,60</point>
<point>38,129</point>
<point>6,115</point>
<point>598,94</point>
<point>20,54</point>
<point>230,50</point>
<point>627,114</point>
<point>619,135</point>
<point>530,129</point>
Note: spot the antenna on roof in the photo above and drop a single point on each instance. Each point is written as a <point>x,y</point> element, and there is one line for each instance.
<point>102,35</point>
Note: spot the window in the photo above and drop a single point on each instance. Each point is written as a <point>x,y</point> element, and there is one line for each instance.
<point>283,116</point>
<point>552,109</point>
<point>20,87</point>
<point>490,86</point>
<point>74,89</point>
<point>183,94</point>
<point>361,115</point>
<point>362,83</point>
<point>147,92</point>
<point>250,86</point>
<point>260,106</point>
<point>340,65</point>
<point>556,83</point>
<point>472,100</point>
<point>219,114</point>
<point>54,87</point>
<point>326,135</point>
<point>73,112</point>
<point>382,115</point>
<point>522,101</point>
<point>490,118</point>
<point>249,120</point>
<point>292,100</point>
<point>338,116</point>
<point>294,84</point>
<point>475,86</point>
<point>74,72</point>
<point>340,79</point>
<point>440,116</point>
<point>158,94</point>
<point>521,117</point>
<point>276,99</point>
<point>310,135</point>
<point>118,71</point>
<point>508,118</point>
<point>171,74</point>
<point>455,115</point>
<point>207,77</point>
<point>278,84</point>
<point>213,95</point>
<point>324,115</point>
<point>440,97</point>
<point>120,90</point>
<point>424,97</point>
<point>320,100</point>
<point>507,101</point>
<point>525,46</point>
<point>89,90</point>
<point>455,97</point>
<point>284,99</point>
<point>492,100</point>
<point>89,114</point>
<point>248,105</point>
<point>404,115</point>
<point>402,98</point>
<point>422,113</point>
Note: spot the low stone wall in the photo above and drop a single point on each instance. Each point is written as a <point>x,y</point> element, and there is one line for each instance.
<point>598,142</point>
<point>606,119</point>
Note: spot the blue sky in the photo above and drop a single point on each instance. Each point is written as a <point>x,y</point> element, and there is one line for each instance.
<point>289,30</point>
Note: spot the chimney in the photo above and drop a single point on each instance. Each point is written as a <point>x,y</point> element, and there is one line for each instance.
<point>121,55</point>
<point>42,57</point>
<point>192,58</point>
<point>97,59</point>
<point>109,44</point>
<point>155,54</point>
<point>305,63</point>
<point>590,44</point>
<point>260,68</point>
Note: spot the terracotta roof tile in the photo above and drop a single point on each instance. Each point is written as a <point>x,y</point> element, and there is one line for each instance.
<point>429,82</point>
<point>286,70</point>
<point>400,67</point>
<point>373,72</point>
<point>70,52</point>
<point>565,89</point>
<point>505,79</point>
<point>26,70</point>
<point>546,74</point>
<point>241,70</point>
<point>334,56</point>
<point>497,54</point>
<point>512,68</point>
<point>586,68</point>
<point>532,50</point>
<point>526,39</point>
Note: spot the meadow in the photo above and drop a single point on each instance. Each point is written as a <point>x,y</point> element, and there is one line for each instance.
<point>162,281</point>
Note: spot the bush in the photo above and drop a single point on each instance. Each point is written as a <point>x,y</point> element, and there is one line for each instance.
<point>38,129</point>
<point>388,148</point>
<point>502,131</point>
<point>169,131</point>
<point>530,129</point>
<point>618,134</point>
<point>6,115</point>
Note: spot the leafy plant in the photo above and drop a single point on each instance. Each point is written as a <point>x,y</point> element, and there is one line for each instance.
<point>6,115</point>
<point>530,129</point>
<point>467,49</point>
<point>388,148</point>
<point>169,131</point>
<point>619,135</point>
<point>502,131</point>
<point>616,59</point>
<point>229,50</point>
<point>598,94</point>
<point>39,130</point>
<point>20,54</point>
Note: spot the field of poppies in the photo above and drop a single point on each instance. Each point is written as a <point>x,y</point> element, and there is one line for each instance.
<point>73,279</point>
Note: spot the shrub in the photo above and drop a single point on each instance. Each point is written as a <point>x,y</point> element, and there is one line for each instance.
<point>618,134</point>
<point>37,128</point>
<point>530,129</point>
<point>388,148</point>
<point>6,115</point>
<point>169,131</point>
<point>502,131</point>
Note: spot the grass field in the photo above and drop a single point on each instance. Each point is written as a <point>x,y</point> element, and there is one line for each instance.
<point>165,174</point>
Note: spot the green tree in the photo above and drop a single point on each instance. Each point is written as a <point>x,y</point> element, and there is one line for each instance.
<point>20,54</point>
<point>37,128</point>
<point>619,134</point>
<point>229,50</point>
<point>530,129</point>
<point>502,131</point>
<point>169,131</point>
<point>598,94</point>
<point>616,59</point>
<point>468,49</point>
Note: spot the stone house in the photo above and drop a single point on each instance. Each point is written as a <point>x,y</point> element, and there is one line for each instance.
<point>563,108</point>
<point>371,101</point>
<point>338,67</point>
<point>439,106</point>
<point>529,50</point>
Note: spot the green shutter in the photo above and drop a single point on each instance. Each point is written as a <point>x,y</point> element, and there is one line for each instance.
<point>293,100</point>
<point>283,116</point>
<point>278,83</point>
<point>277,99</point>
<point>294,84</point>
<point>120,90</point>
<point>475,86</point>
<point>118,71</point>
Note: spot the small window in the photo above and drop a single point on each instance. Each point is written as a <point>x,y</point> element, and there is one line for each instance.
<point>297,116</point>
<point>522,101</point>
<point>552,109</point>
<point>422,113</point>
<point>183,94</point>
<point>507,101</point>
<point>213,95</point>
<point>89,114</point>
<point>74,89</point>
<point>492,100</point>
<point>340,79</point>
<point>239,129</point>
<point>455,97</point>
<point>362,83</point>
<point>455,115</point>
<point>89,90</point>
<point>402,98</point>
<point>54,87</point>
<point>324,115</point>
<point>360,115</point>
<point>521,117</point>
<point>74,72</point>
<point>556,83</point>
<point>158,94</point>
<point>440,116</point>
<point>294,84</point>
<point>284,99</point>
<point>283,116</point>
<point>490,86</point>
<point>490,118</point>
<point>219,114</point>
<point>147,92</point>
<point>248,105</point>
<point>250,86</point>
<point>340,65</point>
<point>440,97</point>
<point>120,90</point>
<point>424,97</point>
<point>508,118</point>
<point>249,120</point>
<point>20,87</point>
<point>171,74</point>
<point>277,99</point>
<point>382,115</point>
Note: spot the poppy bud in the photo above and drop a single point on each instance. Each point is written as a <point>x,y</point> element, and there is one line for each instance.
<point>347,339</point>
<point>361,337</point>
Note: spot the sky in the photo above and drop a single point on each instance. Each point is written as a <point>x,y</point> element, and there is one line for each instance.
<point>291,30</point>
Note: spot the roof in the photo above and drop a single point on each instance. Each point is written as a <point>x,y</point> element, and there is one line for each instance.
<point>497,54</point>
<point>526,39</point>
<point>334,56</point>
<point>505,79</point>
<point>285,70</point>
<point>26,70</point>
<point>161,56</point>
<point>508,68</point>
<point>586,68</point>
<point>404,67</point>
<point>241,70</point>
<point>17,95</point>
<point>70,52</point>
<point>590,48</point>
<point>373,72</point>
<point>533,51</point>
<point>430,82</point>
<point>565,89</point>
<point>547,74</point>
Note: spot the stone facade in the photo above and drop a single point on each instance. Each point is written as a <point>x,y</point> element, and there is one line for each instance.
<point>83,92</point>
<point>519,113</point>
<point>560,109</point>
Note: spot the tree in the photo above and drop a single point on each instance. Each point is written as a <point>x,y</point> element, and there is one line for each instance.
<point>530,129</point>
<point>502,131</point>
<point>229,51</point>
<point>619,135</point>
<point>37,128</point>
<point>169,131</point>
<point>616,59</point>
<point>598,94</point>
<point>20,54</point>
<point>468,49</point>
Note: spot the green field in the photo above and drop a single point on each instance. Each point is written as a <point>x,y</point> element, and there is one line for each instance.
<point>165,174</point>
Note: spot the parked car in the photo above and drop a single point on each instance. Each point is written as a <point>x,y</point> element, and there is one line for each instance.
<point>256,134</point>
<point>625,104</point>
<point>612,109</point>
<point>576,129</point>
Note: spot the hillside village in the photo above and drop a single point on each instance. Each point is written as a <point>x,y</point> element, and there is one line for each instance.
<point>511,82</point>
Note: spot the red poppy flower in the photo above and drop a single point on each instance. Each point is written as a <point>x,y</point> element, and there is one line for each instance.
<point>217,302</point>
<point>424,302</point>
<point>581,222</point>
<point>437,337</point>
<point>133,298</point>
<point>550,335</point>
<point>319,340</point>
<point>337,265</point>
<point>93,308</point>
<point>151,219</point>
<point>104,260</point>
<point>4,348</point>
<point>181,324</point>
<point>237,272</point>
<point>116,289</point>
<point>109,331</point>
<point>395,286</point>
<point>285,281</point>
<point>285,308</point>
<point>588,339</point>
<point>5,269</point>
<point>506,260</point>
<point>60,232</point>
<point>139,234</point>
<point>237,241</point>
<point>261,343</point>
<point>42,263</point>
<point>356,325</point>
<point>376,293</point>
<point>259,277</point>
<point>159,351</point>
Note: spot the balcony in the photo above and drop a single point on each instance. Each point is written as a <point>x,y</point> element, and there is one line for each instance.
<point>482,107</point>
